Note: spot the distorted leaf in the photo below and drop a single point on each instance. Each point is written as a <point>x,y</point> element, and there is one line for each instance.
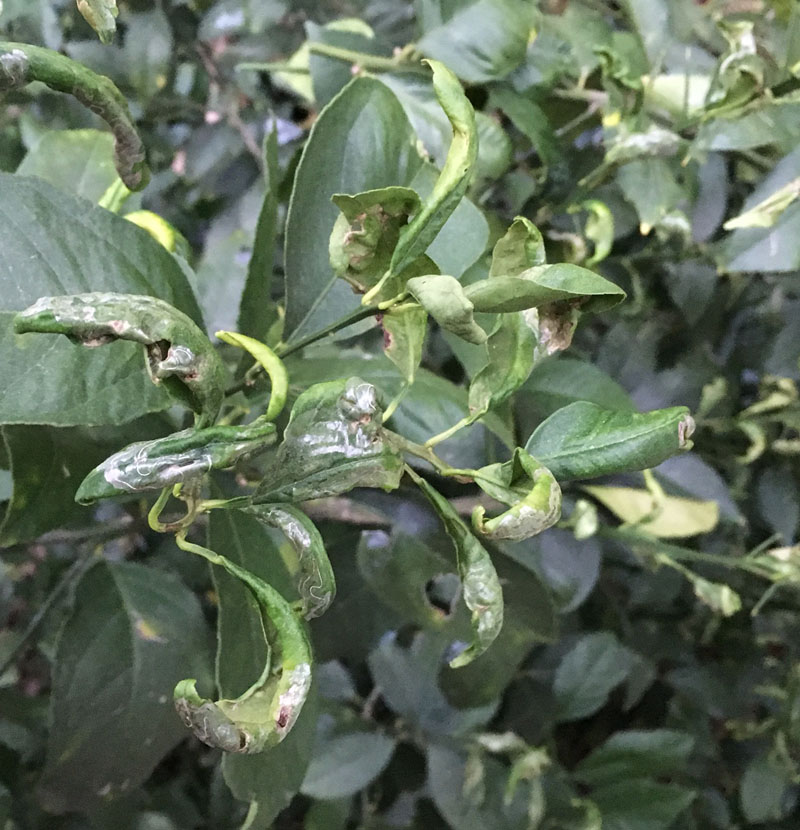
<point>101,15</point>
<point>334,442</point>
<point>445,300</point>
<point>531,491</point>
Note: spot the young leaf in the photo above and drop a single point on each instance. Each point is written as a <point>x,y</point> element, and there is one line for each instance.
<point>530,489</point>
<point>584,440</point>
<point>101,15</point>
<point>183,456</point>
<point>264,714</point>
<point>543,285</point>
<point>454,178</point>
<point>366,233</point>
<point>21,64</point>
<point>333,442</point>
<point>316,583</point>
<point>482,592</point>
<point>444,299</point>
<point>177,353</point>
<point>520,248</point>
<point>404,332</point>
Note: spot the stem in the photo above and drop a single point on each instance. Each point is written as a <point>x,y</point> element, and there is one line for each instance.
<point>443,436</point>
<point>363,60</point>
<point>72,573</point>
<point>272,66</point>
<point>285,349</point>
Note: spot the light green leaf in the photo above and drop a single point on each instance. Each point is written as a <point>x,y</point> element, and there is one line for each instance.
<point>101,15</point>
<point>771,122</point>
<point>404,331</point>
<point>673,517</point>
<point>530,489</point>
<point>78,161</point>
<point>636,754</point>
<point>363,123</point>
<point>95,250</point>
<point>588,673</point>
<point>445,300</point>
<point>334,442</point>
<point>545,284</point>
<point>584,440</point>
<point>454,178</point>
<point>480,41</point>
<point>345,764</point>
<point>134,631</point>
<point>520,248</point>
<point>762,792</point>
<point>767,212</point>
<point>482,592</point>
<point>366,233</point>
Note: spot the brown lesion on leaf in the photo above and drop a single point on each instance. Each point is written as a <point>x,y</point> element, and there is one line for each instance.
<point>557,322</point>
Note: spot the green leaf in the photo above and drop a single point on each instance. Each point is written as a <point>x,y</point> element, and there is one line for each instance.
<point>334,442</point>
<point>92,249</point>
<point>445,300</point>
<point>133,633</point>
<point>545,284</point>
<point>530,489</point>
<point>584,440</point>
<point>149,50</point>
<point>257,310</point>
<point>641,804</point>
<point>481,41</point>
<point>271,778</point>
<point>482,592</point>
<point>345,764</point>
<point>521,247</point>
<point>763,790</point>
<point>101,15</point>
<point>78,161</point>
<point>588,673</point>
<point>365,123</point>
<point>636,754</point>
<point>452,183</point>
<point>315,580</point>
<point>772,122</point>
<point>530,119</point>
<point>409,679</point>
<point>366,233</point>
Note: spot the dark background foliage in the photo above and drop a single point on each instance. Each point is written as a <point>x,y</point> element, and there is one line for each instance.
<point>628,689</point>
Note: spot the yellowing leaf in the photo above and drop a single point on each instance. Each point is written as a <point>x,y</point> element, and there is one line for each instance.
<point>677,517</point>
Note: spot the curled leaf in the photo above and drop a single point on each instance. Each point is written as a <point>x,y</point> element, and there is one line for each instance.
<point>266,712</point>
<point>184,456</point>
<point>366,233</point>
<point>162,231</point>
<point>454,178</point>
<point>101,15</point>
<point>178,354</point>
<point>584,440</point>
<point>530,489</point>
<point>271,364</point>
<point>334,441</point>
<point>316,583</point>
<point>444,299</point>
<point>482,592</point>
<point>21,64</point>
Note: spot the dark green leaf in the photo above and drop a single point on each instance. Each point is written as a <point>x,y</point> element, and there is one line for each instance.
<point>641,804</point>
<point>345,764</point>
<point>133,633</point>
<point>588,673</point>
<point>346,126</point>
<point>584,440</point>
